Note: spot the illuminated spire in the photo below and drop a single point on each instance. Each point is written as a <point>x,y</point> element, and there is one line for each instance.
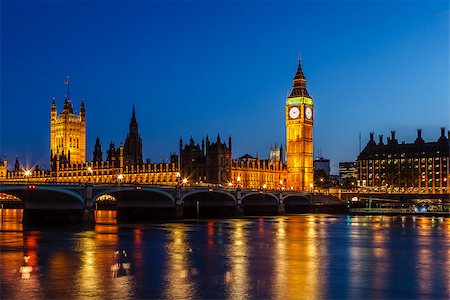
<point>299,87</point>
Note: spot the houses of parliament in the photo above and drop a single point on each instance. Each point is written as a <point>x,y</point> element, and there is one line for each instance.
<point>209,162</point>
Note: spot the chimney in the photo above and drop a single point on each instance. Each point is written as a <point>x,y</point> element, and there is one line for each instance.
<point>371,136</point>
<point>442,131</point>
<point>381,139</point>
<point>393,135</point>
<point>419,133</point>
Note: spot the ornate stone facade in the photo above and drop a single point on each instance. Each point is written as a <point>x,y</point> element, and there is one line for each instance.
<point>68,132</point>
<point>299,134</point>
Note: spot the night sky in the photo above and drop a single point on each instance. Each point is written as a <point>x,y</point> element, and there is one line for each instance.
<point>197,68</point>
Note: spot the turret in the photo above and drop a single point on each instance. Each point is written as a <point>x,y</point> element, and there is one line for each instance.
<point>17,167</point>
<point>121,156</point>
<point>53,111</point>
<point>380,138</point>
<point>98,154</point>
<point>229,143</point>
<point>82,110</point>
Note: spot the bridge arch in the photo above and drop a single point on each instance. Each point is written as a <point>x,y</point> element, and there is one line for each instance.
<point>258,198</point>
<point>209,198</point>
<point>296,199</point>
<point>137,196</point>
<point>47,197</point>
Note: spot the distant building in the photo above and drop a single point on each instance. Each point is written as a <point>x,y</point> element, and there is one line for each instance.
<point>3,168</point>
<point>347,170</point>
<point>321,163</point>
<point>68,132</point>
<point>276,154</point>
<point>417,167</point>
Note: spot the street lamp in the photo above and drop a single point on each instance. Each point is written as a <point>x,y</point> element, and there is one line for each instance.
<point>89,169</point>
<point>178,178</point>
<point>120,177</point>
<point>238,179</point>
<point>264,186</point>
<point>185,181</point>
<point>27,174</point>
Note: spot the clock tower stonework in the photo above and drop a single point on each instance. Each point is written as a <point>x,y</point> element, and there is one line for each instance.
<point>299,135</point>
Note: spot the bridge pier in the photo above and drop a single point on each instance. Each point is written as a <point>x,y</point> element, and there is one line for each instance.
<point>281,208</point>
<point>32,216</point>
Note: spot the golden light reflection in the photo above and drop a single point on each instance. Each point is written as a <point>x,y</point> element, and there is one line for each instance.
<point>179,285</point>
<point>236,278</point>
<point>88,275</point>
<point>280,281</point>
<point>11,219</point>
<point>300,253</point>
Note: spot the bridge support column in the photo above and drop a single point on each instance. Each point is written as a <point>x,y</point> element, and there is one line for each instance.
<point>239,207</point>
<point>281,208</point>
<point>88,217</point>
<point>50,217</point>
<point>179,208</point>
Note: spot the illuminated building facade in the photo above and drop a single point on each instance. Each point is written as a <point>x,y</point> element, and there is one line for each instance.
<point>299,134</point>
<point>417,167</point>
<point>347,170</point>
<point>68,132</point>
<point>208,163</point>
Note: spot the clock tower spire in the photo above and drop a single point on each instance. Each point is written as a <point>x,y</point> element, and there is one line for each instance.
<point>299,134</point>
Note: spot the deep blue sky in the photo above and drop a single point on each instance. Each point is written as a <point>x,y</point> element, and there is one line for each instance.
<point>193,68</point>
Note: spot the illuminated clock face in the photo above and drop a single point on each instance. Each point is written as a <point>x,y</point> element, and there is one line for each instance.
<point>294,113</point>
<point>308,113</point>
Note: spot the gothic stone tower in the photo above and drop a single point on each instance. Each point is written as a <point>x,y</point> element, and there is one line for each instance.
<point>68,132</point>
<point>132,150</point>
<point>299,134</point>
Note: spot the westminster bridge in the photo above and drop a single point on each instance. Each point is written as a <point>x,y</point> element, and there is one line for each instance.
<point>75,203</point>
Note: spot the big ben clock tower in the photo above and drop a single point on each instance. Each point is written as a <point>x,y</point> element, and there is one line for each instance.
<point>299,134</point>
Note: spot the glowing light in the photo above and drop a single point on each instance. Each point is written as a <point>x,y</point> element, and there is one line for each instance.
<point>230,184</point>
<point>27,173</point>
<point>264,186</point>
<point>120,176</point>
<point>238,179</point>
<point>178,175</point>
<point>89,169</point>
<point>185,180</point>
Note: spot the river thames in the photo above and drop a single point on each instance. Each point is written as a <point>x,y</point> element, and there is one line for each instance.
<point>282,257</point>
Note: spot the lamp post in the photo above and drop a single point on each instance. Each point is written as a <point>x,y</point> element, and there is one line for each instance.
<point>238,179</point>
<point>178,178</point>
<point>89,169</point>
<point>27,174</point>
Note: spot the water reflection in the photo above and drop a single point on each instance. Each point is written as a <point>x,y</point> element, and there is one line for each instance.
<point>236,276</point>
<point>177,280</point>
<point>285,257</point>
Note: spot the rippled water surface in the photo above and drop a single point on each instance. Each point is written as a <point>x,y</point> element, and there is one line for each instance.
<point>283,257</point>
